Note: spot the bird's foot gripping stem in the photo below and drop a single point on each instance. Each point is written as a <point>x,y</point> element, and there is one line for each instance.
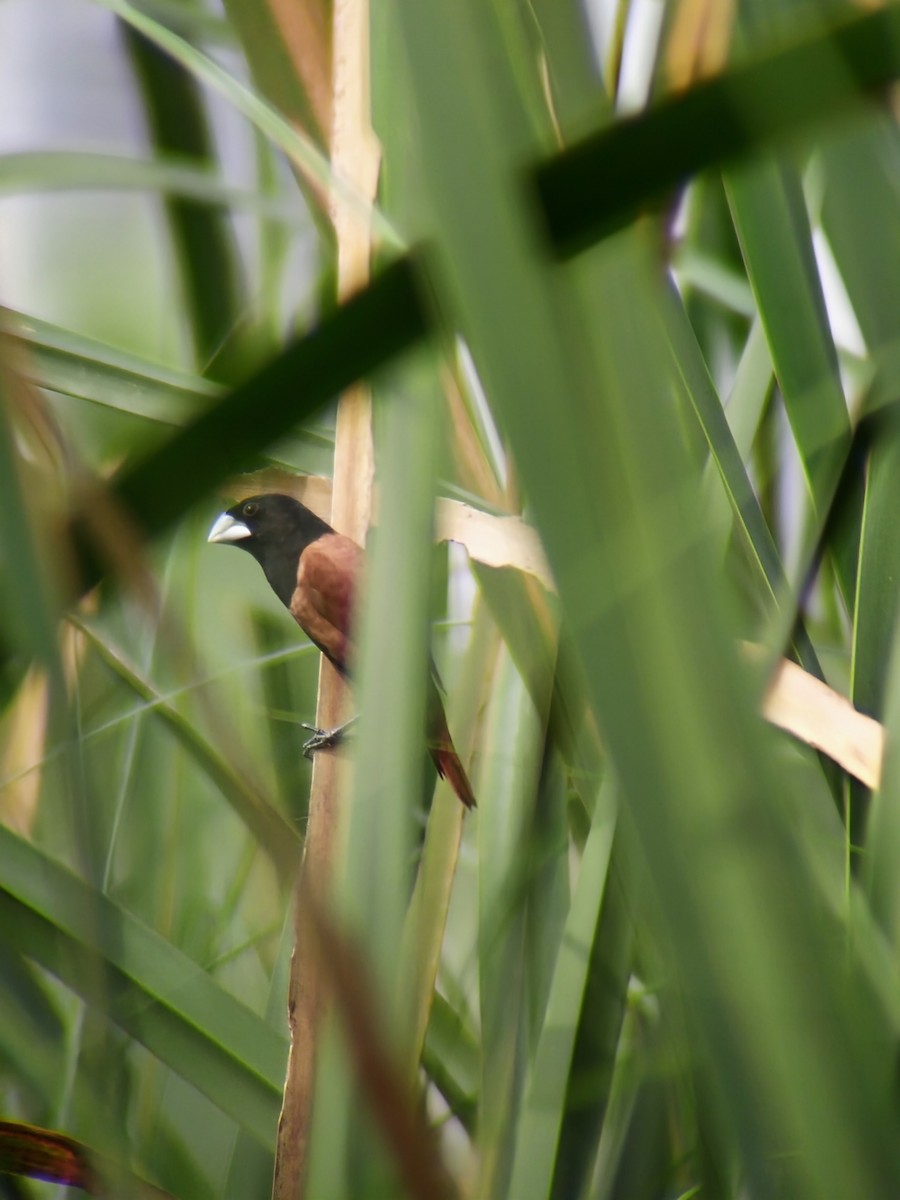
<point>324,739</point>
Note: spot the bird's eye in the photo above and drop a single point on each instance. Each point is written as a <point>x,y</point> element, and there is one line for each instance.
<point>249,509</point>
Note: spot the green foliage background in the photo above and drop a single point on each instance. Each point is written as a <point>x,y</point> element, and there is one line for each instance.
<point>661,958</point>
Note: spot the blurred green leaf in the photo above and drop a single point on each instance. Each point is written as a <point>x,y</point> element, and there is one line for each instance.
<point>81,367</point>
<point>40,171</point>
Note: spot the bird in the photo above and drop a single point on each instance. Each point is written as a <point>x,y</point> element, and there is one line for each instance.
<point>315,572</point>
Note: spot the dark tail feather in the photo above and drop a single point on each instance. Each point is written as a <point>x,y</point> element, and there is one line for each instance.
<point>447,762</point>
<point>444,754</point>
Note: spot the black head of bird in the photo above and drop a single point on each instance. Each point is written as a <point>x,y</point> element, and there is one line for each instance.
<point>276,530</point>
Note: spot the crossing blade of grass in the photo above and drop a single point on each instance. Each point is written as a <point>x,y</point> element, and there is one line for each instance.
<point>44,171</point>
<point>247,796</point>
<point>78,366</point>
<point>153,991</point>
<point>544,1097</point>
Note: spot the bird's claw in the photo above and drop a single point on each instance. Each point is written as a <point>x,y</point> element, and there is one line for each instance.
<point>324,739</point>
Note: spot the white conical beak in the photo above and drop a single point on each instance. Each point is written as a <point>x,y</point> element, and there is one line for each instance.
<point>227,529</point>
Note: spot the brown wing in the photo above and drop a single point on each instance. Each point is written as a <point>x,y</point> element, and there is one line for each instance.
<point>322,603</point>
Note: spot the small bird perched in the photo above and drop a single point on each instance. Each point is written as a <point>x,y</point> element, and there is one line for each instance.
<point>314,572</point>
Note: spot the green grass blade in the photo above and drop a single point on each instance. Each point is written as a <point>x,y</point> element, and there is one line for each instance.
<point>147,986</point>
